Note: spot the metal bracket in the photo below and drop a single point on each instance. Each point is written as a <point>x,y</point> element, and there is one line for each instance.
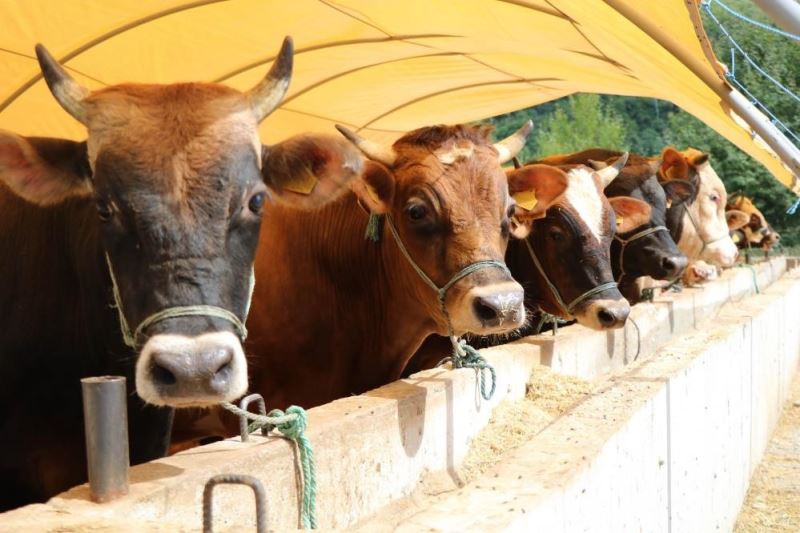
<point>235,479</point>
<point>243,422</point>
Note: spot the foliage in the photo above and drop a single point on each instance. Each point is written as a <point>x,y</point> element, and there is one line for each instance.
<point>646,125</point>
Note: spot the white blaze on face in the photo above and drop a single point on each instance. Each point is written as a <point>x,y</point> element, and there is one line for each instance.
<point>708,211</point>
<point>583,195</point>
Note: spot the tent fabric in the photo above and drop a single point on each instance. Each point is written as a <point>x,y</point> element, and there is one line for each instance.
<point>382,67</point>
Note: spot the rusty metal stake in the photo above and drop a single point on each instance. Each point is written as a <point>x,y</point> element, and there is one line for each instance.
<point>243,422</point>
<point>105,417</point>
<point>235,479</point>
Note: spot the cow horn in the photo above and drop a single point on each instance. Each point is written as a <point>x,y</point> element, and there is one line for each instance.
<point>371,149</point>
<point>67,92</point>
<point>267,95</point>
<point>508,148</point>
<point>608,174</point>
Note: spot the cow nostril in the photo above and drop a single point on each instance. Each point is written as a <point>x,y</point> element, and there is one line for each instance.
<point>668,264</point>
<point>485,310</point>
<point>162,376</point>
<point>606,317</point>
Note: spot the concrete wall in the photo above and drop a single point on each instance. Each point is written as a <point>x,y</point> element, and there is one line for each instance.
<point>669,446</point>
<point>373,449</point>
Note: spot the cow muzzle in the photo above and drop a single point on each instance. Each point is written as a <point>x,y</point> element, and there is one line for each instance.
<point>180,371</point>
<point>604,314</point>
<point>673,266</point>
<point>489,309</point>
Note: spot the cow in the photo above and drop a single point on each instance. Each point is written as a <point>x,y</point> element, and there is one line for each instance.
<point>349,312</point>
<point>646,250</point>
<point>563,262</point>
<point>755,232</point>
<point>698,224</point>
<point>131,253</point>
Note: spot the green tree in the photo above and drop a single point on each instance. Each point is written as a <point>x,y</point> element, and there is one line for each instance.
<point>579,122</point>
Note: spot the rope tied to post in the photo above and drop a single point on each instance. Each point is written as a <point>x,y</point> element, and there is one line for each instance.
<point>464,355</point>
<point>292,424</point>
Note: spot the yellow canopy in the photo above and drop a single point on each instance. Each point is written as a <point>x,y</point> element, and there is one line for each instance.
<point>382,66</point>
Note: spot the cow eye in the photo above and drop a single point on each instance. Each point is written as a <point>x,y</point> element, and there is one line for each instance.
<point>714,197</point>
<point>417,211</point>
<point>256,203</point>
<point>104,210</point>
<point>555,235</point>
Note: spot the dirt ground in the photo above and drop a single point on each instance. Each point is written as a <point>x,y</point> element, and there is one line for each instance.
<point>773,501</point>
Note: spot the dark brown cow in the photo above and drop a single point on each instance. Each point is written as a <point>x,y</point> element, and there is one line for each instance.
<point>348,313</point>
<point>166,198</point>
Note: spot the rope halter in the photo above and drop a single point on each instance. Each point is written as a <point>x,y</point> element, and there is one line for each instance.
<point>131,337</point>
<point>463,354</point>
<point>625,242</point>
<point>697,231</point>
<point>568,308</point>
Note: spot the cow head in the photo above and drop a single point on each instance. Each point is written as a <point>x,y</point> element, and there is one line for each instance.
<point>655,254</point>
<point>698,224</point>
<point>179,179</point>
<point>755,228</point>
<point>445,191</point>
<point>572,245</point>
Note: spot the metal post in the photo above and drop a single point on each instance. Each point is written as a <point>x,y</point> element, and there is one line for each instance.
<point>785,13</point>
<point>105,416</point>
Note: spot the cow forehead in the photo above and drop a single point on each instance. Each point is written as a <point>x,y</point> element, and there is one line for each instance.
<point>709,180</point>
<point>192,123</point>
<point>583,196</point>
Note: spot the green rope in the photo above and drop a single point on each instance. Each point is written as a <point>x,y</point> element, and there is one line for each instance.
<point>546,317</point>
<point>374,228</point>
<point>292,424</point>
<point>754,274</point>
<point>465,356</point>
<point>648,293</point>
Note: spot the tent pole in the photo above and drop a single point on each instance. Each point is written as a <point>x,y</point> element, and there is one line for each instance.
<point>784,13</point>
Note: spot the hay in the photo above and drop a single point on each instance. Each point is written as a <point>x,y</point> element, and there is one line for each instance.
<point>773,501</point>
<point>548,395</point>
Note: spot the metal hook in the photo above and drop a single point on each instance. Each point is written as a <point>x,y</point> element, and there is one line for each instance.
<point>243,423</point>
<point>235,479</point>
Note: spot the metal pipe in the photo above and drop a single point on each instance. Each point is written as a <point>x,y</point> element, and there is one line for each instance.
<point>105,416</point>
<point>784,13</point>
<point>235,479</point>
<point>771,135</point>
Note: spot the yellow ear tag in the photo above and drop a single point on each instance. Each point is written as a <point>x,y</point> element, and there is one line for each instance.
<point>303,183</point>
<point>372,193</point>
<point>619,220</point>
<point>736,237</point>
<point>526,200</point>
<point>669,203</point>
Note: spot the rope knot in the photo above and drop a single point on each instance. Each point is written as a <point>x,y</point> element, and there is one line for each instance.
<point>465,356</point>
<point>291,426</point>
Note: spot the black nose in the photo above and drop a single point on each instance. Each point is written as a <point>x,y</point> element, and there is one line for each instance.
<point>497,308</point>
<point>183,374</point>
<point>673,265</point>
<point>613,316</point>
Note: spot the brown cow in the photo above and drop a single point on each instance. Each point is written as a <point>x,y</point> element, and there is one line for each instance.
<point>339,315</point>
<point>755,232</point>
<point>159,209</point>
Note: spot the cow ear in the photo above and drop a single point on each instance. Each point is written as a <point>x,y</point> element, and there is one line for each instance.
<point>308,171</point>
<point>736,219</point>
<point>630,213</point>
<point>44,171</point>
<point>375,189</point>
<point>673,165</point>
<point>678,191</point>
<point>535,188</point>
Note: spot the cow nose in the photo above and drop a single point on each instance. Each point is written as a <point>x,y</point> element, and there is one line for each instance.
<point>206,372</point>
<point>497,308</point>
<point>613,314</point>
<point>673,265</point>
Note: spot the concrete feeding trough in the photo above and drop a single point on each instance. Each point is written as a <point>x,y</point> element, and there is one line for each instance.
<point>628,456</point>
